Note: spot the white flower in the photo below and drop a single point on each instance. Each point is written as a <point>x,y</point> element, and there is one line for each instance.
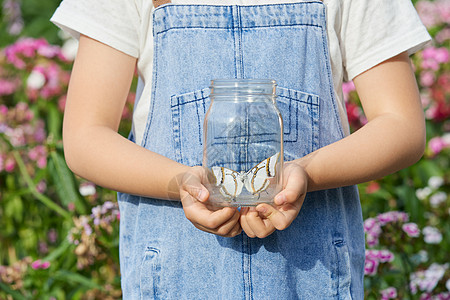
<point>427,280</point>
<point>421,194</point>
<point>64,35</point>
<point>435,182</point>
<point>438,198</point>
<point>431,235</point>
<point>87,189</point>
<point>446,138</point>
<point>70,48</point>
<point>447,285</point>
<point>423,255</point>
<point>36,80</point>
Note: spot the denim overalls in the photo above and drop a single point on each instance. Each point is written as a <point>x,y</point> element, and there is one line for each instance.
<point>321,255</point>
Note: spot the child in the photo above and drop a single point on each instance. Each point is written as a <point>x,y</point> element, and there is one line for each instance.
<point>306,247</point>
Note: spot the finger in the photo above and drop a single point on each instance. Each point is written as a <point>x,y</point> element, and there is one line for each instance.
<point>294,187</point>
<point>194,187</point>
<point>199,214</point>
<point>237,229</point>
<point>244,223</point>
<point>229,229</point>
<point>226,228</point>
<point>260,227</point>
<point>280,219</point>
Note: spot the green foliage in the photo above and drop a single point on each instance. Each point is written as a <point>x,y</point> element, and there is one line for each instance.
<point>59,233</point>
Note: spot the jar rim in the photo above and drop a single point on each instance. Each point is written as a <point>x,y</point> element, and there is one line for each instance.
<point>237,81</point>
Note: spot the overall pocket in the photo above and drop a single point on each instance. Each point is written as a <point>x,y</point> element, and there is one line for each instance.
<point>342,271</point>
<point>150,274</point>
<point>299,110</point>
<point>300,113</point>
<point>188,113</point>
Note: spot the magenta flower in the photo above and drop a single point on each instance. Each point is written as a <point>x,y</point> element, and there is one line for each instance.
<point>385,256</point>
<point>38,264</point>
<point>411,229</point>
<point>389,293</point>
<point>10,164</point>
<point>392,216</point>
<point>427,78</point>
<point>347,88</point>
<point>7,87</point>
<point>437,144</point>
<point>370,266</point>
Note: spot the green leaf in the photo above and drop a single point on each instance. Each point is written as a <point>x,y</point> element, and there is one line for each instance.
<point>64,182</point>
<point>9,291</point>
<point>77,278</point>
<point>14,209</point>
<point>58,251</point>
<point>54,121</point>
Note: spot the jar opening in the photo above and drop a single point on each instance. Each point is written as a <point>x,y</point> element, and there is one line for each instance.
<point>240,86</point>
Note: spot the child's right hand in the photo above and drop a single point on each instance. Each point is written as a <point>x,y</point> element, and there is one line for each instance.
<point>194,198</point>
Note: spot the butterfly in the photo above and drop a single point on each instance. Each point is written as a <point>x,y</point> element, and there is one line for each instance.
<point>255,180</point>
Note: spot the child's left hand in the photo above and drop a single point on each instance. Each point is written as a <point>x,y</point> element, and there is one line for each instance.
<point>264,219</point>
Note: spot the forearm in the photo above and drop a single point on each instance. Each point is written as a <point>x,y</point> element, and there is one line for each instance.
<point>393,138</point>
<point>102,156</point>
<point>384,146</point>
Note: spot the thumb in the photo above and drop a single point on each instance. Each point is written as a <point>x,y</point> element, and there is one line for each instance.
<point>195,188</point>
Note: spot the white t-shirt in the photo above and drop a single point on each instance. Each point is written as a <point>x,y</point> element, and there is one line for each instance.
<point>361,34</point>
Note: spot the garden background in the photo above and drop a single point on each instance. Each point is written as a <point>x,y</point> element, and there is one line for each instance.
<point>59,233</point>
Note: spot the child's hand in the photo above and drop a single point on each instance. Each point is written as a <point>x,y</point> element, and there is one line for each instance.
<point>194,197</point>
<point>264,219</point>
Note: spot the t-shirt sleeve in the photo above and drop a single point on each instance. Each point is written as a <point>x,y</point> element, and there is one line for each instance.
<point>112,22</point>
<point>373,31</point>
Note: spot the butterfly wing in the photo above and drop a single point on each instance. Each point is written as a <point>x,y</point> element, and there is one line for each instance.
<point>229,181</point>
<point>257,179</point>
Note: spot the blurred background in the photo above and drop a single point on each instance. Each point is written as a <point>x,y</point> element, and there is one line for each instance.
<point>59,233</point>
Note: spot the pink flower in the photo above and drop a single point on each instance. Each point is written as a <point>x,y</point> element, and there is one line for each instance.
<point>45,265</point>
<point>442,55</point>
<point>411,229</point>
<point>370,224</point>
<point>443,35</point>
<point>372,187</point>
<point>372,239</point>
<point>42,162</point>
<point>370,266</point>
<point>427,78</point>
<point>71,206</point>
<point>385,256</point>
<point>347,88</point>
<point>436,145</point>
<point>389,293</point>
<point>10,164</point>
<point>38,264</point>
<point>7,87</point>
<point>428,13</point>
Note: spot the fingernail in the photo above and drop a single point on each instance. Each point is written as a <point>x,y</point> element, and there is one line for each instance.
<point>200,195</point>
<point>280,199</point>
<point>262,210</point>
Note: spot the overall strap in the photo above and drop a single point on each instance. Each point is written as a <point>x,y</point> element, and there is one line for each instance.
<point>157,3</point>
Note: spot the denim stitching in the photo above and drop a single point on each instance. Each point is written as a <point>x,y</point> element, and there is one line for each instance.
<point>232,28</point>
<point>152,101</point>
<point>330,80</point>
<point>199,124</point>
<point>176,114</point>
<point>241,52</point>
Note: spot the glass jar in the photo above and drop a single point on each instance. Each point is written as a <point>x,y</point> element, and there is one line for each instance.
<point>243,142</point>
